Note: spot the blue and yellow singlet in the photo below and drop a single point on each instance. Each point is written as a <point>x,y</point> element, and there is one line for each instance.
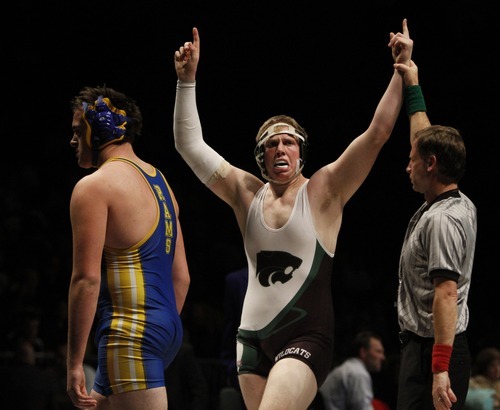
<point>139,330</point>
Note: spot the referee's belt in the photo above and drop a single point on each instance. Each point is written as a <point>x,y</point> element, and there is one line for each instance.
<point>405,336</point>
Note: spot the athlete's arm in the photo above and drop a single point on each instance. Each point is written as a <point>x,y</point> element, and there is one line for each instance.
<point>88,213</point>
<point>233,185</point>
<point>180,271</point>
<point>418,119</point>
<point>343,177</point>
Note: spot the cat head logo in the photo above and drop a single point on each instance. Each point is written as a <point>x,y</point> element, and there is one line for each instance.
<point>276,266</point>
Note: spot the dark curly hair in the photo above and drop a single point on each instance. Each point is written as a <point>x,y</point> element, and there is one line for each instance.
<point>119,100</point>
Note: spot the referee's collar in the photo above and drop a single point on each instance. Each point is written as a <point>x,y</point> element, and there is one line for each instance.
<point>448,194</point>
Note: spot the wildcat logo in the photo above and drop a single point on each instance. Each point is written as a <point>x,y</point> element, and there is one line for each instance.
<point>276,266</point>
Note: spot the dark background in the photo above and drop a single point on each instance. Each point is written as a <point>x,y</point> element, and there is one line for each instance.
<point>325,64</point>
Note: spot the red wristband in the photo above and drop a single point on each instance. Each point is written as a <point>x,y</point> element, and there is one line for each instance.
<point>441,357</point>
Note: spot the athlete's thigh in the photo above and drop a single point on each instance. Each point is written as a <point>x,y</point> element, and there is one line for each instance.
<point>102,401</point>
<point>291,385</point>
<point>151,399</point>
<point>252,388</point>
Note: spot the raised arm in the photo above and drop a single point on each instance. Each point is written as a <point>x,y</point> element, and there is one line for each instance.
<point>234,186</point>
<point>344,176</point>
<point>402,47</point>
<point>358,159</point>
<point>200,157</point>
<point>415,103</point>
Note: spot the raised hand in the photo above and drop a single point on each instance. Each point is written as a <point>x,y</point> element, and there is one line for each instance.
<point>401,45</point>
<point>409,72</point>
<point>187,57</point>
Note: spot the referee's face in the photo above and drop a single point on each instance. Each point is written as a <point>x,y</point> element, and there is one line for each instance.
<point>418,171</point>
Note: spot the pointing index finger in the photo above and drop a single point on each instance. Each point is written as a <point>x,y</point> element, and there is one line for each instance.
<point>406,31</point>
<point>196,38</point>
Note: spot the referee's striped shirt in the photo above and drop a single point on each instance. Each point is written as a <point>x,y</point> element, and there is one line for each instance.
<point>439,237</point>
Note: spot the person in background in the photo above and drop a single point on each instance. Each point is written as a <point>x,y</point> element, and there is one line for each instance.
<point>25,384</point>
<point>484,385</point>
<point>290,225</point>
<point>129,261</point>
<point>235,286</point>
<point>349,386</point>
<point>28,330</point>
<point>435,266</point>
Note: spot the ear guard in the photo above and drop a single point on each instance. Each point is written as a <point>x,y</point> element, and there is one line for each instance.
<point>280,128</point>
<point>105,125</point>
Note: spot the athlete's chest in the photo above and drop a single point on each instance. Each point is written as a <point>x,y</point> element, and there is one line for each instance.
<point>277,210</point>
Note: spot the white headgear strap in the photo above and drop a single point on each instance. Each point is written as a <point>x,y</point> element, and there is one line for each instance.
<point>279,128</point>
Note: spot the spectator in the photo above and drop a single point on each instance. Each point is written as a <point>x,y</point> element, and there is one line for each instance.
<point>349,386</point>
<point>484,386</point>
<point>24,384</point>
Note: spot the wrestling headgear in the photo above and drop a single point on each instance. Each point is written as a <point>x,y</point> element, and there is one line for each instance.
<point>280,128</point>
<point>105,125</point>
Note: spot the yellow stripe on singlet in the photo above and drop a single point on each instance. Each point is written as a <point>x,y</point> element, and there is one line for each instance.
<point>126,284</point>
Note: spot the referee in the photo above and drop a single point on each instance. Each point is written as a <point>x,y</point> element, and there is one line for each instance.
<point>435,265</point>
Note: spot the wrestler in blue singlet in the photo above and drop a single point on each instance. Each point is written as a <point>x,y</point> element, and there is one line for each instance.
<point>135,347</point>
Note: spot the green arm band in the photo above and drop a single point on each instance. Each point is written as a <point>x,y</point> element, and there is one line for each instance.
<point>414,99</point>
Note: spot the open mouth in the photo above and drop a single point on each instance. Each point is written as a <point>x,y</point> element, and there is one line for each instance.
<point>280,164</point>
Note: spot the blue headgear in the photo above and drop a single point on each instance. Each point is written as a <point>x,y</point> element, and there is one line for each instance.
<point>105,125</point>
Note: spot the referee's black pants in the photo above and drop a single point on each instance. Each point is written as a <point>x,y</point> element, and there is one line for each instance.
<point>415,373</point>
